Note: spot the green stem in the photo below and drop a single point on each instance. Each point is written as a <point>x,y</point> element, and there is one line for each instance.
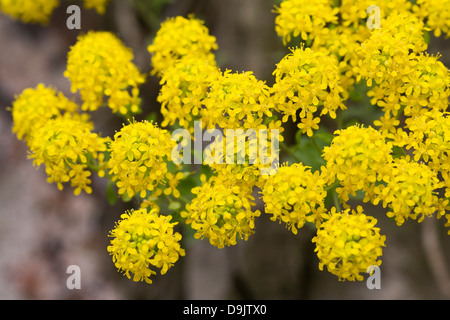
<point>336,201</point>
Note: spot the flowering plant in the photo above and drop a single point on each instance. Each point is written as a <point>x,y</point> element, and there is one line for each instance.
<point>400,161</point>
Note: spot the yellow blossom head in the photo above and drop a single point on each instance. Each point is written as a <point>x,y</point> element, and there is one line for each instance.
<point>184,87</point>
<point>65,145</point>
<point>358,157</point>
<point>410,191</point>
<point>221,212</point>
<point>348,243</point>
<point>37,11</point>
<point>295,195</point>
<point>101,67</point>
<point>178,37</point>
<point>436,13</point>
<point>139,155</point>
<point>142,240</point>
<point>98,5</point>
<point>237,100</point>
<point>35,106</point>
<point>304,18</point>
<point>306,80</point>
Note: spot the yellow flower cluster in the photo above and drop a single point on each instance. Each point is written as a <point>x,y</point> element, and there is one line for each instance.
<point>221,211</point>
<point>138,160</point>
<point>409,191</point>
<point>335,54</point>
<point>142,240</point>
<point>35,106</point>
<point>179,37</point>
<point>98,5</point>
<point>436,13</point>
<point>306,80</point>
<point>358,158</point>
<point>184,86</point>
<point>237,100</point>
<point>304,18</point>
<point>65,145</point>
<point>40,11</point>
<point>100,66</point>
<point>348,243</point>
<point>58,136</point>
<point>295,195</point>
<point>244,157</point>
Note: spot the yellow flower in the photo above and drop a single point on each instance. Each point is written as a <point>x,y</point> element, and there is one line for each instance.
<point>100,66</point>
<point>98,5</point>
<point>184,87</point>
<point>306,80</point>
<point>348,243</point>
<point>410,191</point>
<point>221,212</point>
<point>139,155</point>
<point>65,145</point>
<point>358,157</point>
<point>354,12</point>
<point>142,240</point>
<point>37,11</point>
<point>295,195</point>
<point>304,18</point>
<point>178,37</point>
<point>245,157</point>
<point>436,13</point>
<point>236,100</point>
<point>343,42</point>
<point>172,182</point>
<point>35,106</point>
<point>386,54</point>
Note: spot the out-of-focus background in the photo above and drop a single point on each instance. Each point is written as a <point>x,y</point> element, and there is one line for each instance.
<point>43,230</point>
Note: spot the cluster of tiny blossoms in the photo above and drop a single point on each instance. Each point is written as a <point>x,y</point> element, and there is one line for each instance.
<point>142,239</point>
<point>40,11</point>
<point>100,66</point>
<point>399,163</point>
<point>58,136</point>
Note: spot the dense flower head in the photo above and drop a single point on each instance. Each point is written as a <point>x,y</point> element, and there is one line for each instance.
<point>410,191</point>
<point>348,243</point>
<point>358,157</point>
<point>37,11</point>
<point>425,87</point>
<point>436,13</point>
<point>295,195</point>
<point>354,12</point>
<point>306,80</point>
<point>178,37</point>
<point>98,5</point>
<point>139,155</point>
<point>429,138</point>
<point>221,212</point>
<point>143,240</point>
<point>184,86</point>
<point>343,42</point>
<point>35,106</point>
<point>390,51</point>
<point>303,18</point>
<point>237,100</point>
<point>246,157</point>
<point>100,66</point>
<point>65,146</point>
